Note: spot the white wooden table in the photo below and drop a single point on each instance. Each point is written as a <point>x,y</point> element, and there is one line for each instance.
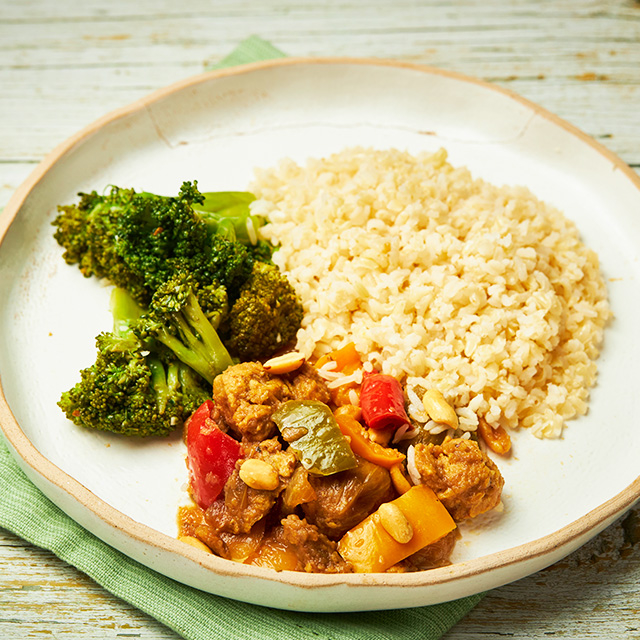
<point>65,63</point>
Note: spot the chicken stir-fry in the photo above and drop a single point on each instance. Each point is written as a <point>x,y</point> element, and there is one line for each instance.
<point>296,467</point>
<point>465,480</point>
<point>247,396</point>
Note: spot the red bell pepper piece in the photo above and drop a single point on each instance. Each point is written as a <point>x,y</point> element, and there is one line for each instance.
<point>382,401</point>
<point>211,455</point>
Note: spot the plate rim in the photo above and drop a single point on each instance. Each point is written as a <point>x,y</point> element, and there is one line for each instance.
<point>26,452</point>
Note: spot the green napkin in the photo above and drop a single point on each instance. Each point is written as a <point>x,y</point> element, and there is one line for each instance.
<point>193,614</point>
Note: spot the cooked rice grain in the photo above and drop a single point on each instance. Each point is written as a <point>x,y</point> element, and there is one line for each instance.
<point>446,281</point>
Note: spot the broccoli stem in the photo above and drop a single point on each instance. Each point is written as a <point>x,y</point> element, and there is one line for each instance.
<point>213,346</point>
<point>227,214</point>
<point>124,309</point>
<point>187,377</point>
<point>204,352</point>
<point>159,383</point>
<point>173,376</point>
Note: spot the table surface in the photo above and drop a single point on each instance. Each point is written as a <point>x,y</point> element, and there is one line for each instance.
<point>63,64</point>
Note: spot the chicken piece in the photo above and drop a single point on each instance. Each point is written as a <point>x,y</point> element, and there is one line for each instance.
<point>346,498</point>
<point>296,545</point>
<point>232,546</point>
<point>243,505</point>
<point>247,396</point>
<point>306,384</point>
<point>315,552</point>
<point>465,480</point>
<point>434,555</point>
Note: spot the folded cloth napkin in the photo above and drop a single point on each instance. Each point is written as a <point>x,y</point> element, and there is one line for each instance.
<point>191,613</point>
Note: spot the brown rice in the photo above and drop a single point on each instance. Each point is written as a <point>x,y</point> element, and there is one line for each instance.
<point>442,280</point>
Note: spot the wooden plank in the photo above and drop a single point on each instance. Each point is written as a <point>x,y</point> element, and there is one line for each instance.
<point>592,594</point>
<point>41,596</point>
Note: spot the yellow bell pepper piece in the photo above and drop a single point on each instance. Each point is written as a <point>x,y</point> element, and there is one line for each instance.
<point>370,548</point>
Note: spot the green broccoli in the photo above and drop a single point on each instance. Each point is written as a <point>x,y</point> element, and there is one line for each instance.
<point>227,213</point>
<point>89,232</point>
<point>176,320</point>
<point>170,236</point>
<point>266,315</point>
<point>133,388</point>
<point>152,246</point>
<point>139,240</point>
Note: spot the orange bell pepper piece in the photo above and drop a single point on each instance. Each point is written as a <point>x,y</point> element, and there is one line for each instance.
<point>346,358</point>
<point>361,445</point>
<point>347,362</point>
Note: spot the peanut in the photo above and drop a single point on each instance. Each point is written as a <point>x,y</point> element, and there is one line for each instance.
<point>259,475</point>
<point>285,363</point>
<point>381,436</point>
<point>395,523</point>
<point>496,438</point>
<point>439,409</point>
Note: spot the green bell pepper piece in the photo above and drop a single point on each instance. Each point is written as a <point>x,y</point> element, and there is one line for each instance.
<point>314,436</point>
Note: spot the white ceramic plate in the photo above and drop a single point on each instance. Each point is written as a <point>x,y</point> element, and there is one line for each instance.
<point>217,128</point>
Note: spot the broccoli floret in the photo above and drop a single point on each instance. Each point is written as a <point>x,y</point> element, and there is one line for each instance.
<point>132,388</point>
<point>176,320</point>
<point>266,315</point>
<point>89,233</point>
<point>262,251</point>
<point>214,302</point>
<point>72,234</point>
<point>172,235</point>
<point>140,240</point>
